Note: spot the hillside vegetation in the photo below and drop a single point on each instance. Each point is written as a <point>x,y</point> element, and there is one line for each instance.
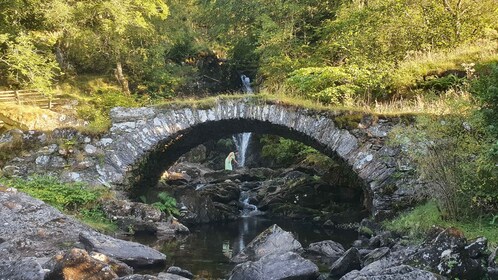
<point>435,58</point>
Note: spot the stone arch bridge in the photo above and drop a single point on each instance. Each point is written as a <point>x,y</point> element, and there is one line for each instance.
<point>143,142</point>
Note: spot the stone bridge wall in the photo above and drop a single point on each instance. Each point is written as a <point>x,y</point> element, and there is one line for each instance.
<point>143,141</point>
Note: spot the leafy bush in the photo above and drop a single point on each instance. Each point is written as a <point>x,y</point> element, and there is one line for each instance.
<point>286,152</point>
<point>451,153</point>
<point>338,85</point>
<point>166,204</point>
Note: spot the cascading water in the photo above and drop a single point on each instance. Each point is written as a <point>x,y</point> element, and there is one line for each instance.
<point>241,140</point>
<point>248,209</point>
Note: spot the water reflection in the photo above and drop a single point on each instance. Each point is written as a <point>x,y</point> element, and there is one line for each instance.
<point>206,252</point>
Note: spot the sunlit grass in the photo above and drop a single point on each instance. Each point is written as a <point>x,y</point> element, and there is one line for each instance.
<point>417,222</point>
<point>418,65</point>
<point>420,104</point>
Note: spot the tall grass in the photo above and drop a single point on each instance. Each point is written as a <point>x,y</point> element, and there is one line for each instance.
<point>418,221</point>
<point>417,65</point>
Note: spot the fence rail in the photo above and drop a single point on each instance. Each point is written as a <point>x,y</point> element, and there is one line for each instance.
<point>29,97</point>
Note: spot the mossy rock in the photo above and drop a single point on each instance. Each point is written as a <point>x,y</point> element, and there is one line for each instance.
<point>365,231</point>
<point>348,121</point>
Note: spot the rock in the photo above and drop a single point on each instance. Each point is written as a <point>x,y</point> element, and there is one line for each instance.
<point>138,277</point>
<point>25,268</point>
<point>493,258</point>
<point>276,266</point>
<point>348,262</point>
<point>445,251</point>
<point>402,272</point>
<point>120,268</point>
<point>90,149</point>
<point>493,273</point>
<point>131,253</point>
<point>182,272</point>
<point>477,248</point>
<point>77,264</point>
<point>328,251</point>
<point>11,170</point>
<point>42,160</point>
<point>273,240</point>
<point>31,228</point>
<point>459,265</point>
<point>384,239</point>
<point>328,224</point>
<point>170,276</point>
<point>375,255</point>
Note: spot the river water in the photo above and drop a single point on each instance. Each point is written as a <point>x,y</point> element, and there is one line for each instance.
<point>207,250</point>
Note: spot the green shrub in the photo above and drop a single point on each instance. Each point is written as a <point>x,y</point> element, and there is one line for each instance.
<point>452,154</point>
<point>166,204</point>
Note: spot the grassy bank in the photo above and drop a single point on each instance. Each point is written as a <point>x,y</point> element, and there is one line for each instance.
<point>417,222</point>
<point>75,199</point>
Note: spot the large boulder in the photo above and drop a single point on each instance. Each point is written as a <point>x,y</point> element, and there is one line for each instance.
<point>31,228</point>
<point>25,268</point>
<point>348,262</point>
<point>274,240</point>
<point>445,251</point>
<point>77,264</point>
<point>276,266</point>
<point>326,251</point>
<point>131,253</point>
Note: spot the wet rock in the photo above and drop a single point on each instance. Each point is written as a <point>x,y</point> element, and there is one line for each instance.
<point>273,240</point>
<point>327,251</point>
<point>276,266</point>
<point>25,268</point>
<point>182,272</point>
<point>131,253</point>
<point>402,272</point>
<point>348,262</point>
<point>77,264</point>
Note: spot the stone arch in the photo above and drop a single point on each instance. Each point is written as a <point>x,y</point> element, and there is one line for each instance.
<point>141,140</point>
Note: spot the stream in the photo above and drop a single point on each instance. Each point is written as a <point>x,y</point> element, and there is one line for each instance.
<point>207,250</point>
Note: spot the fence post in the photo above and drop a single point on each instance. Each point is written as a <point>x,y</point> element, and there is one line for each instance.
<point>17,97</point>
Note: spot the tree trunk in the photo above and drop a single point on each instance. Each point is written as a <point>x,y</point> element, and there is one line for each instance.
<point>123,82</point>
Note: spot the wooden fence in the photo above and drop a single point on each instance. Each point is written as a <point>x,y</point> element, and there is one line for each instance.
<point>29,97</point>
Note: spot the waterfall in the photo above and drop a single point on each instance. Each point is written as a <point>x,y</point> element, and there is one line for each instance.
<point>248,209</point>
<point>241,140</point>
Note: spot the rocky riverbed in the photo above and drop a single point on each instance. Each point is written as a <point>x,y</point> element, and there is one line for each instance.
<point>39,242</point>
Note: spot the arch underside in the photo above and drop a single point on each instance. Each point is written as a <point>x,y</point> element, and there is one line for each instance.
<point>148,170</point>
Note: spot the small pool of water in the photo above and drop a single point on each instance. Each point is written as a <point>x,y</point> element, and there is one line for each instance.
<point>207,250</point>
